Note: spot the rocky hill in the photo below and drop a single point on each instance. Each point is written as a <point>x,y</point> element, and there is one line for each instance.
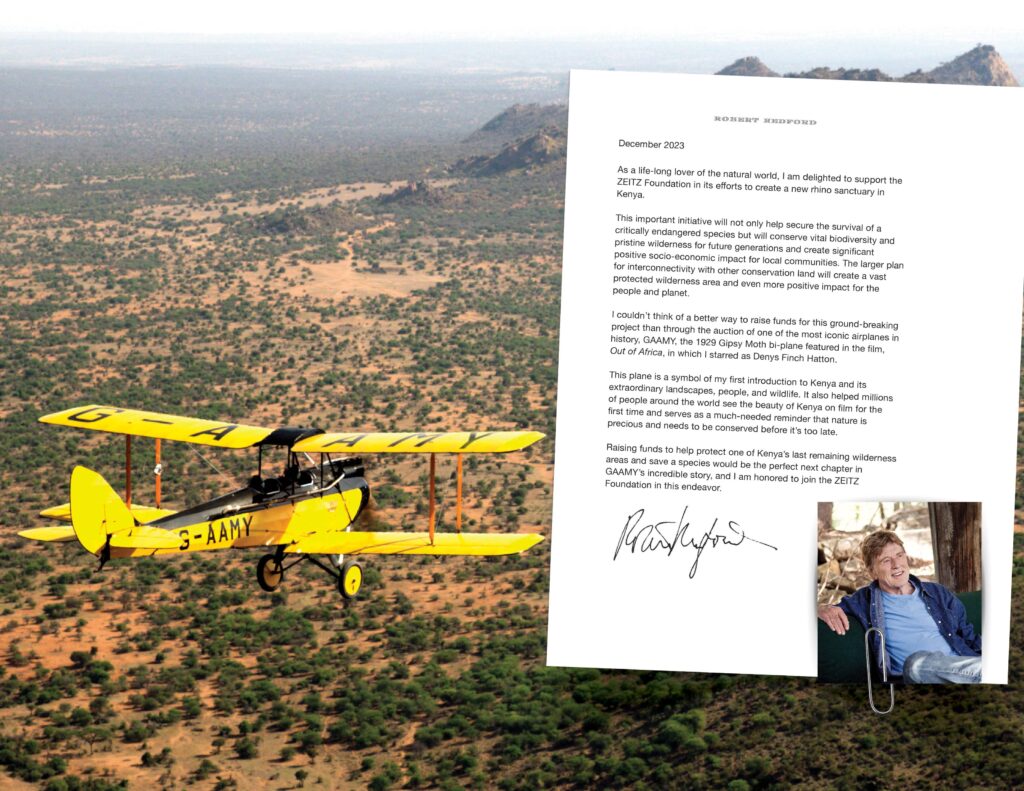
<point>544,146</point>
<point>521,120</point>
<point>981,66</point>
<point>415,193</point>
<point>748,67</point>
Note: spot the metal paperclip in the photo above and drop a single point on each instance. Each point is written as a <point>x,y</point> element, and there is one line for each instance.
<point>885,670</point>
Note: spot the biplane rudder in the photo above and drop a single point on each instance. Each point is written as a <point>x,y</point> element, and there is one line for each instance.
<point>96,510</point>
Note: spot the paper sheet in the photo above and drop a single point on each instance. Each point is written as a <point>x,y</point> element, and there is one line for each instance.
<point>775,292</point>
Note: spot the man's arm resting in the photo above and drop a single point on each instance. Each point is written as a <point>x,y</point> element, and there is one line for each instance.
<point>964,626</point>
<point>834,618</point>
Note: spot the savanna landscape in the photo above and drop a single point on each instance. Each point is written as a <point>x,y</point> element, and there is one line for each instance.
<point>355,250</point>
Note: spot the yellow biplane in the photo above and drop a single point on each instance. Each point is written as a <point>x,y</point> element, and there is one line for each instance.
<point>304,511</point>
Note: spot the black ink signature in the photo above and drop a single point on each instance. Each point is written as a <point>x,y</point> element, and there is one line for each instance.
<point>667,536</point>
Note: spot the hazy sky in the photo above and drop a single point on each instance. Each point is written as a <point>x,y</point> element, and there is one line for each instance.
<point>984,21</point>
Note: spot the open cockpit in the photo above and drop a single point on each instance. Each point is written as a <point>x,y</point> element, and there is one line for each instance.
<point>293,485</point>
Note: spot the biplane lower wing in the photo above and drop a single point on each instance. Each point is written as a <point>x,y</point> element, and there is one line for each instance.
<point>373,543</point>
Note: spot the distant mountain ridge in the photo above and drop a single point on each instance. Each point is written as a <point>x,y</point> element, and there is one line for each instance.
<point>825,73</point>
<point>979,66</point>
<point>533,135</point>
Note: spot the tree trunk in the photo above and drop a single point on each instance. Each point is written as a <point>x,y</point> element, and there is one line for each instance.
<point>824,518</point>
<point>956,542</point>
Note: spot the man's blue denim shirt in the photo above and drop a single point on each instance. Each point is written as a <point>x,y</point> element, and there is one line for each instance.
<point>948,611</point>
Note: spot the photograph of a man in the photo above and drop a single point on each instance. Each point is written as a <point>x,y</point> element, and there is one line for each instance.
<point>928,639</point>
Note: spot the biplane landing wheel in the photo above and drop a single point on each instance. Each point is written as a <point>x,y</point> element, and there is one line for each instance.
<point>350,579</point>
<point>269,572</point>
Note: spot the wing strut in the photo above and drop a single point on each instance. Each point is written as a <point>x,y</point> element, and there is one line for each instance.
<point>128,470</point>
<point>158,471</point>
<point>431,517</point>
<point>458,493</point>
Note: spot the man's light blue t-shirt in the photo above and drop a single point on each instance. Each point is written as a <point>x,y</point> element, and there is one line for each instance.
<point>909,628</point>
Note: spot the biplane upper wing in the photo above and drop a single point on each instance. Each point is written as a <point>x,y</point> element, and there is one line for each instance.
<point>223,434</point>
<point>376,543</point>
<point>419,442</point>
<point>159,426</point>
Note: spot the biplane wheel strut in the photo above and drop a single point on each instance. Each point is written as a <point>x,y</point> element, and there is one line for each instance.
<point>349,579</point>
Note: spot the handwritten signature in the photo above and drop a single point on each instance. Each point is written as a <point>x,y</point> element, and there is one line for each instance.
<point>659,536</point>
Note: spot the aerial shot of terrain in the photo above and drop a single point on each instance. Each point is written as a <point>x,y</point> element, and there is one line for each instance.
<point>358,249</point>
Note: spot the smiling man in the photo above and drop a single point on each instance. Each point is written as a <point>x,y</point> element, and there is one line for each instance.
<point>928,639</point>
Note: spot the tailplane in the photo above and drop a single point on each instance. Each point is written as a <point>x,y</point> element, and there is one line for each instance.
<point>96,510</point>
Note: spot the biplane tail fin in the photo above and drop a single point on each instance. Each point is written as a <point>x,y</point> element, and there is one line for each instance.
<point>96,510</point>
